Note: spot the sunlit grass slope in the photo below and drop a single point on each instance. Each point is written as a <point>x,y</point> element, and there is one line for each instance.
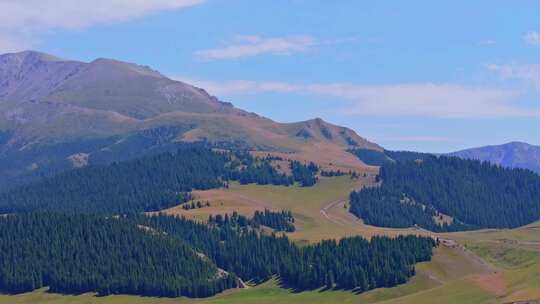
<point>321,211</point>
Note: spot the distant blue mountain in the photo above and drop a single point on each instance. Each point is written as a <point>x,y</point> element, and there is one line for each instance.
<point>511,155</point>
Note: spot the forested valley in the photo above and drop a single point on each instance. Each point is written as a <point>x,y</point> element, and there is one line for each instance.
<point>92,218</point>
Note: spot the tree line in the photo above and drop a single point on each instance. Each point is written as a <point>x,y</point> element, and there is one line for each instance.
<point>331,173</point>
<point>262,173</point>
<point>172,256</point>
<point>256,257</point>
<point>279,221</point>
<point>475,194</point>
<point>148,184</point>
<point>380,158</point>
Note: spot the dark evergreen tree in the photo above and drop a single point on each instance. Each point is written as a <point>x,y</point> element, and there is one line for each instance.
<point>304,174</point>
<point>280,221</point>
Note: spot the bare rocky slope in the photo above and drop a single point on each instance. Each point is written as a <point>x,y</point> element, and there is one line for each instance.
<point>56,114</point>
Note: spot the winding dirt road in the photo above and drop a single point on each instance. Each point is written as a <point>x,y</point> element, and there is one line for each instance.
<point>324,210</point>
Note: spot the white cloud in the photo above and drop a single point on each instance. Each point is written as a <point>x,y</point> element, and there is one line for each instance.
<point>532,38</point>
<point>426,99</point>
<point>241,87</point>
<point>420,99</point>
<point>247,46</point>
<point>31,17</point>
<point>35,14</point>
<point>528,73</point>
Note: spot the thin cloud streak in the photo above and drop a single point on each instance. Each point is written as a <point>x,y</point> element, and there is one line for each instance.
<point>421,99</point>
<point>249,46</point>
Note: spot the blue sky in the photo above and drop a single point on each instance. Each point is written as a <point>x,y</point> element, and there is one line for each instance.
<point>431,76</point>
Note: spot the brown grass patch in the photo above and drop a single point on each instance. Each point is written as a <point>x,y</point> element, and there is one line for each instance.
<point>493,283</point>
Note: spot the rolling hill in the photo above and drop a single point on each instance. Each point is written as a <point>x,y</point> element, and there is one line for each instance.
<point>59,114</point>
<point>511,155</point>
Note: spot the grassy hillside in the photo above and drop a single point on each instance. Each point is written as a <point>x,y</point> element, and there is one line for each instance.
<point>516,253</point>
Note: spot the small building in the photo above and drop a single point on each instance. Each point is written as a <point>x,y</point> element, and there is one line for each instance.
<point>448,243</point>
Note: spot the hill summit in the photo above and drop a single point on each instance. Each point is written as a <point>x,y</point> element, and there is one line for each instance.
<point>58,113</point>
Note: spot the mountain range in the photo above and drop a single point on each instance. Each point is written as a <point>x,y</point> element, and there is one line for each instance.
<point>58,114</point>
<point>511,155</point>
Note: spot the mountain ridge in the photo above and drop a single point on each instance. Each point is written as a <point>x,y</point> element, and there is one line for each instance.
<point>50,103</point>
<point>514,154</point>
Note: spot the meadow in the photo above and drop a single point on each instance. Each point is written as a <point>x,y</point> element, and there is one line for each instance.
<point>321,211</point>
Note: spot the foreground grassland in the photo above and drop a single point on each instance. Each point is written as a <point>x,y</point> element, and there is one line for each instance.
<point>489,266</point>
